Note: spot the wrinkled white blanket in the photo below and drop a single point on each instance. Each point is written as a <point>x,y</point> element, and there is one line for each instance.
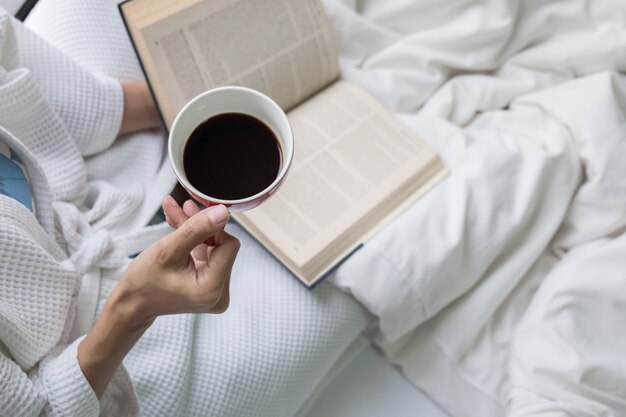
<point>502,290</point>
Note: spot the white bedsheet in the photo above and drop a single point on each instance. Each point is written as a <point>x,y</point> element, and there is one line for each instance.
<point>526,102</point>
<point>364,384</point>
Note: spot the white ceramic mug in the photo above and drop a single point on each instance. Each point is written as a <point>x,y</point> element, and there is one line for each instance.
<point>230,100</point>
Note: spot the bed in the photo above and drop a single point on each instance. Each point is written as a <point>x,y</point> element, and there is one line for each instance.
<point>478,296</point>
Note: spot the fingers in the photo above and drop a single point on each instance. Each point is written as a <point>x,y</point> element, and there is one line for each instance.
<point>190,208</point>
<point>174,214</point>
<point>194,230</point>
<point>177,215</point>
<point>219,266</point>
<point>223,255</point>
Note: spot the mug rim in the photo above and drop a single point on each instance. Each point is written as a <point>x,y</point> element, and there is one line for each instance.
<point>284,166</point>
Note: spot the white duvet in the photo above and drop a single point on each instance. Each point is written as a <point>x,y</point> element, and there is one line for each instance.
<point>502,291</point>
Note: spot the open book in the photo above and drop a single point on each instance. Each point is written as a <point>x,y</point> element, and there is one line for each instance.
<point>355,166</point>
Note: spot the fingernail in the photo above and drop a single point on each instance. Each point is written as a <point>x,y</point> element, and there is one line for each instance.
<point>217,214</point>
<point>171,200</point>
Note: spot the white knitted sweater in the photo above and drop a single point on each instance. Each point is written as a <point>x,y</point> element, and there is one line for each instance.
<point>92,193</point>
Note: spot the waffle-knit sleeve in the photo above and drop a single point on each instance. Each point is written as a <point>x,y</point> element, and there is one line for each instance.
<point>39,369</point>
<point>56,387</point>
<point>89,105</point>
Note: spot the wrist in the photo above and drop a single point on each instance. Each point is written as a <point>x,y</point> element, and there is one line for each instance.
<point>127,310</point>
<point>113,335</point>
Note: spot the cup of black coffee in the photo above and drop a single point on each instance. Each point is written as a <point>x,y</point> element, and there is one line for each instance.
<point>231,146</point>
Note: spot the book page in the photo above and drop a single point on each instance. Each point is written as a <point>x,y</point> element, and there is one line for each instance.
<point>353,163</point>
<point>283,48</point>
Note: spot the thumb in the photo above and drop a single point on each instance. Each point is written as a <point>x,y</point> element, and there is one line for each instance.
<point>195,230</point>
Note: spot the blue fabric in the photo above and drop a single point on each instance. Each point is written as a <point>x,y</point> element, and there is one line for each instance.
<point>13,179</point>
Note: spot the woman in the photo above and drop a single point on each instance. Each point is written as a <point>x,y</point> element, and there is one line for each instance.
<point>73,305</point>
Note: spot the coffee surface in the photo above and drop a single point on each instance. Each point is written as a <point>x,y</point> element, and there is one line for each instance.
<point>232,156</point>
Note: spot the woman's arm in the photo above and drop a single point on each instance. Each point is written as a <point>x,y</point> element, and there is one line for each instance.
<point>164,279</point>
<point>94,108</point>
<point>140,113</point>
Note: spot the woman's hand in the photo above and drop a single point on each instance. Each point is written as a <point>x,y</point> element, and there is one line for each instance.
<point>166,279</point>
<point>163,279</point>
